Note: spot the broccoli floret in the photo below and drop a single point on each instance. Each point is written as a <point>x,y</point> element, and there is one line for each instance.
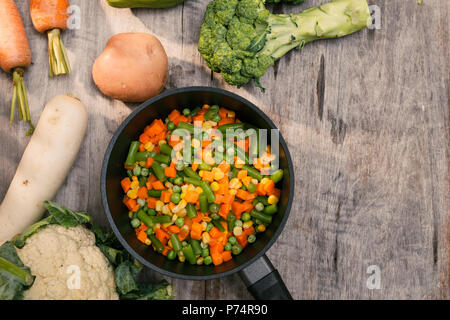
<point>241,38</point>
<point>295,2</point>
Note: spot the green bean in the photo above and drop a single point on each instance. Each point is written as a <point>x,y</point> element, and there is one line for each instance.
<point>176,244</point>
<point>208,191</point>
<point>142,181</point>
<point>231,126</point>
<point>151,212</point>
<point>227,247</point>
<point>209,226</point>
<point>137,170</point>
<point>130,174</point>
<point>166,149</point>
<point>189,254</point>
<point>162,158</point>
<point>191,212</point>
<point>196,246</point>
<point>218,225</point>
<point>154,193</point>
<point>251,238</point>
<point>196,182</point>
<point>146,219</point>
<point>179,221</point>
<point>261,199</point>
<point>252,172</point>
<point>204,166</point>
<point>131,158</point>
<point>158,171</point>
<point>171,255</point>
<point>272,209</point>
<point>156,243</point>
<point>205,252</point>
<point>170,125</point>
<point>195,111</point>
<point>186,126</point>
<point>232,240</point>
<point>209,114</point>
<point>143,156</point>
<point>261,216</point>
<point>214,207</point>
<point>231,218</point>
<point>191,173</point>
<point>277,176</point>
<point>203,203</point>
<point>161,219</point>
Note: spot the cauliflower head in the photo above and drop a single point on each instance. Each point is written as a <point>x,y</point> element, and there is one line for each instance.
<point>58,257</point>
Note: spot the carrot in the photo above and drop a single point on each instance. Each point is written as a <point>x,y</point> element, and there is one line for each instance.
<point>157,185</point>
<point>215,233</point>
<point>15,57</point>
<point>142,236</point>
<point>191,196</point>
<point>165,196</point>
<point>149,162</point>
<point>142,193</point>
<point>170,172</point>
<point>132,205</point>
<point>126,184</point>
<point>161,235</point>
<point>174,229</point>
<point>51,16</point>
<point>151,203</point>
<point>226,256</point>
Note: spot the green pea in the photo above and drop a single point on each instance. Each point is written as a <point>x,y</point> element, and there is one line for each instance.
<point>251,187</point>
<point>171,255</point>
<point>140,202</point>
<point>175,198</point>
<point>151,212</point>
<point>179,222</point>
<point>171,125</point>
<point>251,238</point>
<point>216,118</point>
<point>246,217</point>
<point>228,246</point>
<point>137,170</point>
<point>179,165</point>
<point>186,112</point>
<point>135,223</point>
<point>259,206</point>
<point>238,223</point>
<point>215,216</point>
<point>145,172</point>
<point>184,244</point>
<point>232,240</point>
<point>176,189</point>
<point>178,181</point>
<point>236,249</point>
<point>207,260</point>
<point>149,231</point>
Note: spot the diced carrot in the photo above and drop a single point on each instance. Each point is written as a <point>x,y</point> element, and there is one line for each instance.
<point>173,228</point>
<point>142,193</point>
<point>126,184</point>
<point>249,231</point>
<point>157,185</point>
<point>196,235</point>
<point>215,233</point>
<point>165,196</point>
<point>172,205</point>
<point>165,251</point>
<point>242,240</point>
<point>174,114</point>
<point>155,128</point>
<point>132,205</point>
<point>161,235</point>
<point>183,234</point>
<point>242,174</point>
<point>242,194</point>
<point>237,208</point>
<point>194,166</point>
<point>248,206</point>
<point>224,210</point>
<point>197,227</point>
<point>170,172</point>
<point>219,198</point>
<point>197,219</point>
<point>208,176</point>
<point>225,167</point>
<point>217,259</point>
<point>226,256</point>
<point>225,120</point>
<point>144,138</point>
<point>260,190</point>
<point>276,192</point>
<point>130,167</point>
<point>149,162</point>
<point>142,236</point>
<point>269,186</point>
<point>246,181</point>
<point>191,196</point>
<point>141,148</point>
<point>151,203</point>
<point>228,198</point>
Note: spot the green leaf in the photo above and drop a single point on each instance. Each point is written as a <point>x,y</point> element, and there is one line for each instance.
<point>161,291</point>
<point>66,217</point>
<point>124,277</point>
<point>14,276</point>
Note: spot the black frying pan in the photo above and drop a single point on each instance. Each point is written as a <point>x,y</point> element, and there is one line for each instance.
<point>261,278</point>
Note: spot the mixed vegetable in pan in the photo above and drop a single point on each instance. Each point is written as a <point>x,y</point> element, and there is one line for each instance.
<point>195,189</point>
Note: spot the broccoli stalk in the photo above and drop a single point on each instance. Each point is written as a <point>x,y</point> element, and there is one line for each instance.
<point>241,38</point>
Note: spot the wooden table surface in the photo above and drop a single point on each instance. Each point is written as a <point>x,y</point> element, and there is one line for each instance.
<point>366,119</point>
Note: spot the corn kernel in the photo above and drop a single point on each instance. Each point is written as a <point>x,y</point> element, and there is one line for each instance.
<point>206,125</point>
<point>181,258</point>
<point>272,199</point>
<point>247,224</point>
<point>255,181</point>
<point>215,186</point>
<point>134,184</point>
<point>130,214</point>
<point>239,164</point>
<point>261,228</point>
<point>199,190</point>
<point>206,219</point>
<point>169,243</point>
<point>218,174</point>
<point>148,241</point>
<point>231,114</point>
<point>183,212</point>
<point>166,225</point>
<point>176,210</point>
<point>182,204</point>
<point>182,195</point>
<point>149,146</point>
<point>237,231</point>
<point>206,237</point>
<point>265,180</point>
<point>195,143</point>
<point>158,205</point>
<point>132,194</point>
<point>168,185</point>
<point>235,183</point>
<point>174,217</point>
<point>179,155</point>
<point>206,106</point>
<point>158,225</point>
<point>142,163</point>
<point>200,261</point>
<point>201,173</point>
<point>232,192</point>
<point>204,225</point>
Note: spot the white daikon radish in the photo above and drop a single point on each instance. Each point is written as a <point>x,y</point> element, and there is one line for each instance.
<point>44,165</point>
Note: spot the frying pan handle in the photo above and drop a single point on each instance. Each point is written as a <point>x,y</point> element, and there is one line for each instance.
<point>264,282</point>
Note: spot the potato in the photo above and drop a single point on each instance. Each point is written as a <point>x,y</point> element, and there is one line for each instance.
<point>44,165</point>
<point>132,68</point>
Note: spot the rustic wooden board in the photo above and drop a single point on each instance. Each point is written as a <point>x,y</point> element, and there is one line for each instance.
<point>367,122</point>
